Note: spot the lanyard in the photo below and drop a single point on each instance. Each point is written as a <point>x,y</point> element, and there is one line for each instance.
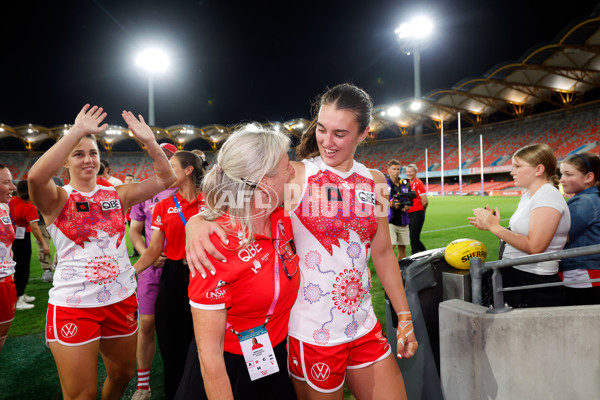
<point>276,281</point>
<point>179,210</point>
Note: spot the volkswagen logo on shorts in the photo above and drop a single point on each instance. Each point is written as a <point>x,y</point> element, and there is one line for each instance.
<point>68,330</point>
<point>320,371</point>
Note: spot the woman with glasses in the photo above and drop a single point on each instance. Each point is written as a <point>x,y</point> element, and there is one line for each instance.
<point>339,211</point>
<point>249,300</point>
<point>539,225</point>
<point>174,329</point>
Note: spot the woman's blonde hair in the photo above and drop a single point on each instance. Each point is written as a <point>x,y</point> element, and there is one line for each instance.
<point>248,155</point>
<point>540,153</point>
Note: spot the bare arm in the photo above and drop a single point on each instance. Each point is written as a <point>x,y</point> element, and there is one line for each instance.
<point>153,251</point>
<point>424,201</point>
<point>386,266</point>
<point>136,229</point>
<point>164,177</point>
<point>209,330</point>
<point>44,193</point>
<point>35,229</point>
<point>543,222</point>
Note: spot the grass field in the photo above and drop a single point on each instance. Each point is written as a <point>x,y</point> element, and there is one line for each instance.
<point>27,370</point>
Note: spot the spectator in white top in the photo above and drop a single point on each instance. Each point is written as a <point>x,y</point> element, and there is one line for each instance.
<point>539,225</point>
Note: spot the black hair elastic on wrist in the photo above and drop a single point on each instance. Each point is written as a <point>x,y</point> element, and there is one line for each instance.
<point>586,162</point>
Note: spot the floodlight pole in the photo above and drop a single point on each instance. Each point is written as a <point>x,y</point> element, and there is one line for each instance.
<point>151,121</point>
<point>417,67</point>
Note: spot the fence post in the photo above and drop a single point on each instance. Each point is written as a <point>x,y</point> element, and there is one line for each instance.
<point>476,281</point>
<point>499,305</point>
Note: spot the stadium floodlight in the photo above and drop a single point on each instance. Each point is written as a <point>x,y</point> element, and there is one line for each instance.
<point>415,105</point>
<point>394,111</point>
<point>413,39</point>
<point>152,62</point>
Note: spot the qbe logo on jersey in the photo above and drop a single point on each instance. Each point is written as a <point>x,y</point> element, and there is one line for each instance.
<point>110,205</point>
<point>366,197</point>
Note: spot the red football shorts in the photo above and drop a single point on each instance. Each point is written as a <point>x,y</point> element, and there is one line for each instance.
<point>8,299</point>
<point>76,326</point>
<point>324,367</point>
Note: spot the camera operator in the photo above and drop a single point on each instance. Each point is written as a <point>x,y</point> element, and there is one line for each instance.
<point>400,202</point>
<point>417,212</point>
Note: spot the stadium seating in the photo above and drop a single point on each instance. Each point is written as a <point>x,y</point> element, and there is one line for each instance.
<point>566,132</point>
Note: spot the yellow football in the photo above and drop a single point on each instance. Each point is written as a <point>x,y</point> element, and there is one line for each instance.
<point>459,252</point>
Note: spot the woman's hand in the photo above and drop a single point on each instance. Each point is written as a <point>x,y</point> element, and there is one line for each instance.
<point>485,218</point>
<point>138,127</point>
<point>88,119</point>
<point>407,342</point>
<point>198,245</point>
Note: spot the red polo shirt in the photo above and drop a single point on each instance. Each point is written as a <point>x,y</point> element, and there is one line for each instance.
<point>419,189</point>
<point>245,284</point>
<point>166,219</point>
<point>23,212</point>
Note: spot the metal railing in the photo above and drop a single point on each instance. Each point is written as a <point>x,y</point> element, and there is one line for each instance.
<point>478,269</point>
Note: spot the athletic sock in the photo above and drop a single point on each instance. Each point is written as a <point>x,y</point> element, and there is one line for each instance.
<point>143,379</point>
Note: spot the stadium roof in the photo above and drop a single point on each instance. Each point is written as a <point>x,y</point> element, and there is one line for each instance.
<point>557,74</point>
<point>552,75</point>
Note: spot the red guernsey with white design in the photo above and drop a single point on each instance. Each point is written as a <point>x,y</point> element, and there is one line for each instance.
<point>7,236</point>
<point>333,228</point>
<point>93,266</point>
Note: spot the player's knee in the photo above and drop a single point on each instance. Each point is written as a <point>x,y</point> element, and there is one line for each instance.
<point>122,375</point>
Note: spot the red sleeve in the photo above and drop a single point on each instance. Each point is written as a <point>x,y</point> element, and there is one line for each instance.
<point>419,188</point>
<point>213,292</point>
<point>31,214</point>
<point>158,215</point>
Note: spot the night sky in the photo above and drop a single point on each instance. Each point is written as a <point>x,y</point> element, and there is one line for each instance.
<point>248,60</point>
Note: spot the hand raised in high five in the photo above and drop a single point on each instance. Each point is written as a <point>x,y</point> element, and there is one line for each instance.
<point>88,120</point>
<point>138,127</point>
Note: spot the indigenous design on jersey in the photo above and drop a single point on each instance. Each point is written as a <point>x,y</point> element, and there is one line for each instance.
<point>102,210</point>
<point>7,237</point>
<point>332,206</point>
<point>93,266</point>
<point>333,228</point>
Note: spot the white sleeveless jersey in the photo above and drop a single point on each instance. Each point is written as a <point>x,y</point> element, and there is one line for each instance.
<point>333,228</point>
<point>93,265</point>
<point>7,236</point>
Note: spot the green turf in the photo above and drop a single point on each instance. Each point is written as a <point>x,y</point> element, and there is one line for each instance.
<point>27,370</point>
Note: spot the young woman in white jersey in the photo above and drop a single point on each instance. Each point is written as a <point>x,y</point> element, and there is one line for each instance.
<point>539,225</point>
<point>339,215</point>
<point>8,292</point>
<point>92,307</point>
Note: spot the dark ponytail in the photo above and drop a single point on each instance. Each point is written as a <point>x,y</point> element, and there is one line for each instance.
<point>186,159</point>
<point>343,97</point>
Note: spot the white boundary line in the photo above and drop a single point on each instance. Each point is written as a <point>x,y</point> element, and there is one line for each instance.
<point>455,227</point>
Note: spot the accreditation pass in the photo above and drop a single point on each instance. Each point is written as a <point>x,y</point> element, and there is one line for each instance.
<point>258,352</point>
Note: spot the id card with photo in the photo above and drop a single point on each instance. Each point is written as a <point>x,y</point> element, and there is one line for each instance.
<point>258,352</point>
<point>20,232</point>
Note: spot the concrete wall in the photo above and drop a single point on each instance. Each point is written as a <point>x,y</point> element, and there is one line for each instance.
<point>529,354</point>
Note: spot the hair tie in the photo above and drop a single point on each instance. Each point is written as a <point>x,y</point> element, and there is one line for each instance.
<point>586,162</point>
<point>217,167</point>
